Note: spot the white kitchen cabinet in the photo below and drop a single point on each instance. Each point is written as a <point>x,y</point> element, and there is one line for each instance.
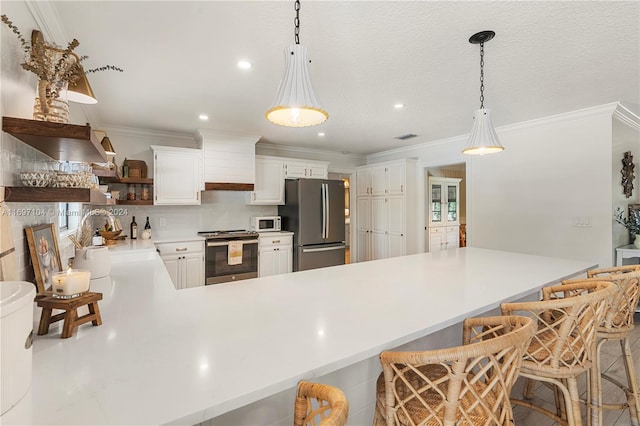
<point>275,253</point>
<point>294,169</point>
<point>382,179</point>
<point>444,237</point>
<point>444,208</point>
<point>184,261</point>
<point>177,175</point>
<point>269,186</point>
<point>386,220</point>
<point>444,213</point>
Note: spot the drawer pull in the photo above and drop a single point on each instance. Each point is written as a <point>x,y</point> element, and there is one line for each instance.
<point>181,249</point>
<point>275,241</point>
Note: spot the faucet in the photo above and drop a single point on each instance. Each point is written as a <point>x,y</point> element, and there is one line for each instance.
<point>85,230</point>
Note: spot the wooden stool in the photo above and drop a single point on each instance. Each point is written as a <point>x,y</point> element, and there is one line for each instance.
<point>71,320</point>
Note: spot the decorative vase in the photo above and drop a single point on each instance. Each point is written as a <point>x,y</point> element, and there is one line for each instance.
<point>51,102</point>
<point>636,241</point>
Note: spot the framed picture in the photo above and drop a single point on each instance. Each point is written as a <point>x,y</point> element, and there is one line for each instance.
<point>45,254</point>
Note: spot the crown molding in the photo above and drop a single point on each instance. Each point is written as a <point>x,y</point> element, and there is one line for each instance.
<point>625,116</point>
<point>146,133</point>
<point>48,21</point>
<point>299,152</point>
<point>614,109</point>
<point>202,134</point>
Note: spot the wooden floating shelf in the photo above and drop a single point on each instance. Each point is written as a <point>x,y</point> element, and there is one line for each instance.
<point>223,186</point>
<point>22,194</point>
<point>116,179</point>
<point>60,141</point>
<point>135,202</point>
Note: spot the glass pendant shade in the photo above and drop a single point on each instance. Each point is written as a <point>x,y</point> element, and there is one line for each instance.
<point>483,138</point>
<point>296,104</point>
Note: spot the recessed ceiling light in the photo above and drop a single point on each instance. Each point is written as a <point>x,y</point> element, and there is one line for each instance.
<point>203,117</point>
<point>245,65</point>
<point>398,106</point>
<point>321,134</point>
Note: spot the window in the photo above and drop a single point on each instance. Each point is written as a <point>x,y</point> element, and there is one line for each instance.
<point>69,215</point>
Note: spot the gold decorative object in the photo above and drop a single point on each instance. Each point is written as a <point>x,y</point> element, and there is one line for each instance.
<point>57,69</point>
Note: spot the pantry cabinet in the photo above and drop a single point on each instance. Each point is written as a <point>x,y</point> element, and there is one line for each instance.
<point>444,213</point>
<point>386,220</point>
<point>275,253</point>
<point>184,261</point>
<point>177,175</point>
<point>269,186</point>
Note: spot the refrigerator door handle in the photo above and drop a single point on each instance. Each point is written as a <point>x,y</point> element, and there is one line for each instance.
<point>324,211</point>
<point>326,195</point>
<point>313,250</point>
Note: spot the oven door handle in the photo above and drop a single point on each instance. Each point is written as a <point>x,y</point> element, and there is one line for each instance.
<point>226,243</point>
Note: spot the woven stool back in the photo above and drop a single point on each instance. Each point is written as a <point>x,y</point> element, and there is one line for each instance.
<point>318,404</point>
<point>619,315</point>
<point>469,384</point>
<point>567,318</point>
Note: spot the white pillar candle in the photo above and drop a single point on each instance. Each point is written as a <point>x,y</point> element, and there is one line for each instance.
<point>70,283</point>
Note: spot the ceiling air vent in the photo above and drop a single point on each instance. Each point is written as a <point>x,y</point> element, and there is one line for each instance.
<point>405,137</point>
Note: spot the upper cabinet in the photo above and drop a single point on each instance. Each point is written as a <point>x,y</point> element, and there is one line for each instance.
<point>382,179</point>
<point>269,187</point>
<point>177,175</point>
<point>271,173</point>
<point>444,206</point>
<point>294,169</point>
<point>228,160</point>
<point>60,141</point>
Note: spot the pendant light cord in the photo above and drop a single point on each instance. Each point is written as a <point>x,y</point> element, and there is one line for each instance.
<point>481,75</point>
<point>296,22</point>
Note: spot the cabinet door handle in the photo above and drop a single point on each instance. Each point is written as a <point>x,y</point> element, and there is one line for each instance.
<point>401,188</point>
<point>181,249</point>
<point>254,196</point>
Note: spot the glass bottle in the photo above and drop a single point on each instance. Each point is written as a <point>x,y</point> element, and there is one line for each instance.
<point>147,225</point>
<point>134,229</point>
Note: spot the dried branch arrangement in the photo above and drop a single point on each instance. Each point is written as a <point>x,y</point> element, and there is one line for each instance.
<point>52,63</point>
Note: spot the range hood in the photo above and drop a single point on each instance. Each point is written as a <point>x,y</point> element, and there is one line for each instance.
<point>228,160</point>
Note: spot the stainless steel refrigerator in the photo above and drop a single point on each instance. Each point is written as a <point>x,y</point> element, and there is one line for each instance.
<point>314,212</point>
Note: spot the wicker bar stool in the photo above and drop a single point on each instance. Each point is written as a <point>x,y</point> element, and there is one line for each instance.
<point>618,323</point>
<point>464,385</point>
<point>318,404</point>
<point>564,344</point>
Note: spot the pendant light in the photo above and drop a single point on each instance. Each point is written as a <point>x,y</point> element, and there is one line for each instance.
<point>296,104</point>
<point>483,138</point>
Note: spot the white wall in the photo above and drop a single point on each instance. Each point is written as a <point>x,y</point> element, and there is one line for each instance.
<point>553,170</point>
<point>17,95</point>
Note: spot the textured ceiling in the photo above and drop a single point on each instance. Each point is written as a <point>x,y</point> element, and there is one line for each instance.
<point>180,60</point>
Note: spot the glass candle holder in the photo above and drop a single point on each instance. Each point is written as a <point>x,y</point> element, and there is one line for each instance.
<point>70,283</point>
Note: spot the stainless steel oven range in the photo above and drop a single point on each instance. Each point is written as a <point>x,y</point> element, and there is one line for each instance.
<point>230,255</point>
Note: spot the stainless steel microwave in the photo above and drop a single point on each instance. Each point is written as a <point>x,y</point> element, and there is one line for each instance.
<point>266,223</point>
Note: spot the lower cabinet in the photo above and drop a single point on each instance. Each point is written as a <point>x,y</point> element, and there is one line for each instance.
<point>275,253</point>
<point>444,237</point>
<point>184,261</point>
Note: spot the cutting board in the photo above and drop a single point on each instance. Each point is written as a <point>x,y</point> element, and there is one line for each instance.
<point>8,257</point>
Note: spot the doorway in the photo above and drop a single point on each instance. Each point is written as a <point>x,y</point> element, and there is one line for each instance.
<point>346,178</point>
<point>445,207</point>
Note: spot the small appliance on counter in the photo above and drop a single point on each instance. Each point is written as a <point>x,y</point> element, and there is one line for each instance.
<point>16,352</point>
<point>266,223</point>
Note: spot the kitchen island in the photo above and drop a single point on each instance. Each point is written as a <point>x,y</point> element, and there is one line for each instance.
<point>185,356</point>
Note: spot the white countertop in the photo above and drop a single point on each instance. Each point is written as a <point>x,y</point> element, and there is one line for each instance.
<point>168,356</point>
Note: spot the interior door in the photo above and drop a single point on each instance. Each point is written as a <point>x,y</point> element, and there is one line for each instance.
<point>335,210</point>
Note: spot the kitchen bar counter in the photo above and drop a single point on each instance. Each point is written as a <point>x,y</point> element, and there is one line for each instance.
<point>167,356</point>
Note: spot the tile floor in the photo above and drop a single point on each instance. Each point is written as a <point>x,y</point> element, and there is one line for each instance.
<point>611,363</point>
